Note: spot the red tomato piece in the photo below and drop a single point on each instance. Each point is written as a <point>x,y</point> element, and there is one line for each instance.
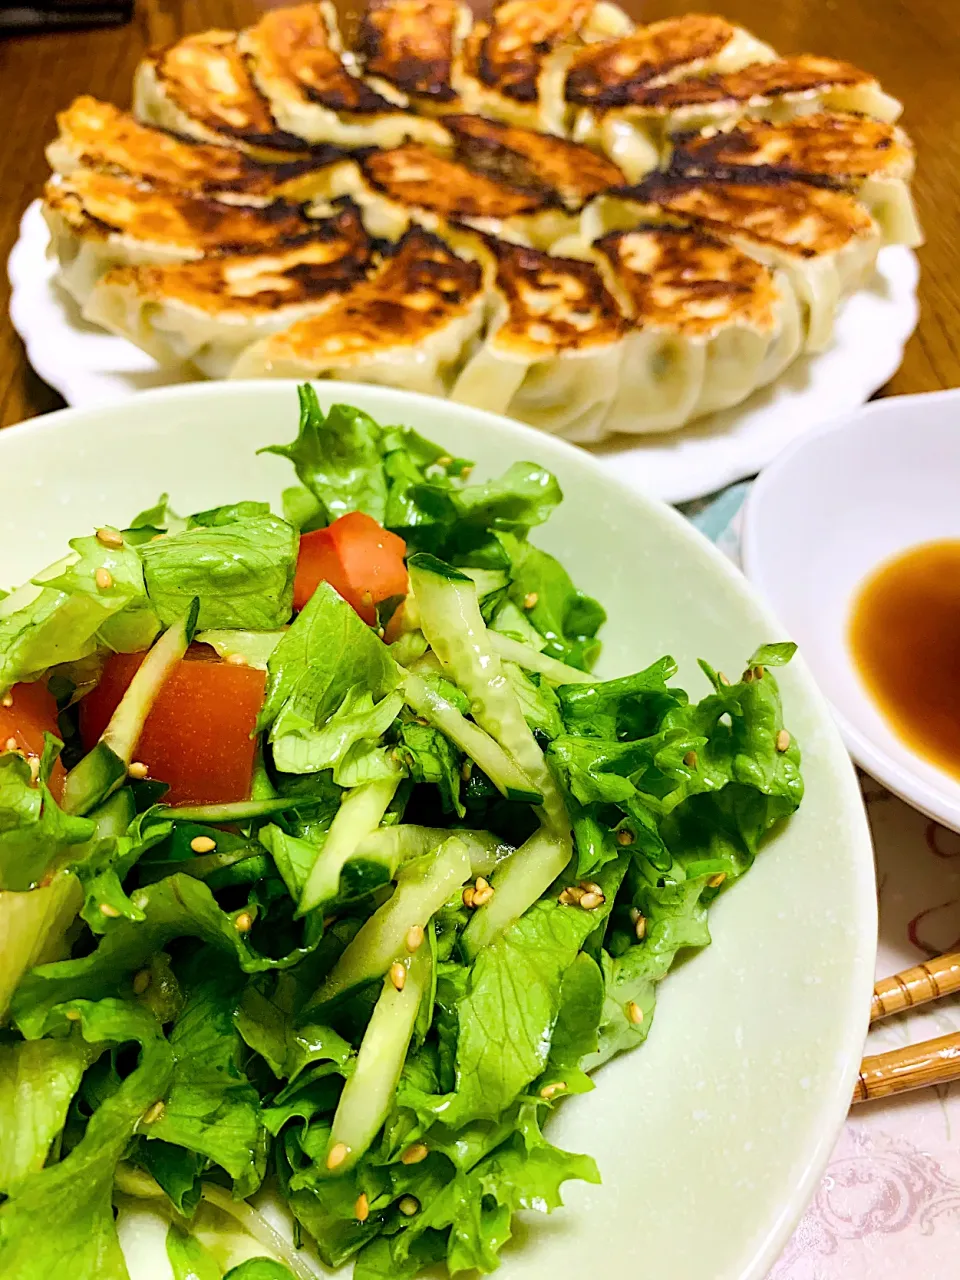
<point>358,557</point>
<point>197,738</point>
<point>32,713</point>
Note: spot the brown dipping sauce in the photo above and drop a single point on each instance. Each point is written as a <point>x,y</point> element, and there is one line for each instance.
<point>905,638</point>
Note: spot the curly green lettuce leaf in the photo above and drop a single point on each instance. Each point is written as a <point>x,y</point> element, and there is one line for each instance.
<point>34,831</point>
<point>188,1259</point>
<point>176,907</point>
<point>241,572</point>
<point>38,1079</point>
<point>259,1269</point>
<point>60,1219</point>
<point>567,619</point>
<point>430,757</point>
<point>211,1107</point>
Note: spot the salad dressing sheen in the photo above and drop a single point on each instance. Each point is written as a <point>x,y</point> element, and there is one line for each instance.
<point>905,639</point>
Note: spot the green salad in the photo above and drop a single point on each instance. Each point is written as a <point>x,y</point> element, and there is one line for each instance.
<point>328,870</point>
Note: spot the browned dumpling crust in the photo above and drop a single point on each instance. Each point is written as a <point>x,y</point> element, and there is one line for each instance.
<point>679,279</point>
<point>552,304</point>
<point>98,135</point>
<point>508,52</point>
<point>330,259</point>
<point>412,44</point>
<point>802,74</point>
<point>533,161</point>
<point>206,77</point>
<point>99,205</point>
<point>612,74</point>
<point>414,175</point>
<point>295,48</point>
<point>418,290</point>
<point>834,145</point>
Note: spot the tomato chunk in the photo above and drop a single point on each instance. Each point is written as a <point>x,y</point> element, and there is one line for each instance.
<point>358,557</point>
<point>197,738</point>
<point>31,714</point>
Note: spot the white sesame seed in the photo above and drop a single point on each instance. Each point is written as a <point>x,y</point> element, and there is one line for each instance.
<point>10,744</point>
<point>361,1210</point>
<point>337,1154</point>
<point>398,974</point>
<point>415,936</point>
<point>141,981</point>
<point>467,896</point>
<point>722,678</point>
<point>109,538</point>
<point>107,910</point>
<point>202,844</point>
<point>138,770</point>
<point>640,927</point>
<point>243,922</point>
<point>690,759</point>
<point>633,1012</point>
<point>154,1113</point>
<point>530,600</point>
<point>6,700</point>
<point>414,1154</point>
<point>716,881</point>
<point>590,901</point>
<point>103,578</point>
<point>625,837</point>
<point>237,660</point>
<point>549,1090</point>
<point>34,763</point>
<point>783,740</point>
<point>408,1206</point>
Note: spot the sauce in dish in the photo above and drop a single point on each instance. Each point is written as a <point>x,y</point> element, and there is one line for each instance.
<point>905,638</point>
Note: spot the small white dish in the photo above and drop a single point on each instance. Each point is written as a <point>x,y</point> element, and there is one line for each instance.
<point>826,514</point>
<point>91,367</point>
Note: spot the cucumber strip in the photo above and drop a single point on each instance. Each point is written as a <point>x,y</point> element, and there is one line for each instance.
<point>521,880</point>
<point>360,812</point>
<point>505,774</point>
<point>487,581</point>
<point>419,895</point>
<point>368,1093</point>
<point>394,846</point>
<point>238,811</point>
<point>428,664</point>
<point>450,619</point>
<point>556,672</point>
<point>103,769</point>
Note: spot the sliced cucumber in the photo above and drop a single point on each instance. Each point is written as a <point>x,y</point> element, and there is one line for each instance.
<point>237,811</point>
<point>487,581</point>
<point>522,654</point>
<point>360,812</point>
<point>254,647</point>
<point>505,774</point>
<point>422,889</point>
<point>450,619</point>
<point>428,664</point>
<point>104,768</point>
<point>520,881</point>
<point>368,1093</point>
<point>393,846</point>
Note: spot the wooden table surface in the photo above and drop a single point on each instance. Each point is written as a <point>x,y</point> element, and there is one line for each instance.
<point>912,46</point>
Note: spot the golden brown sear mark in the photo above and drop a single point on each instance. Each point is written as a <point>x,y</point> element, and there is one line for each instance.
<point>802,74</point>
<point>423,285</point>
<point>611,74</point>
<point>329,260</point>
<point>415,175</point>
<point>100,136</point>
<point>508,52</point>
<point>410,43</point>
<point>677,278</point>
<point>101,204</point>
<point>828,144</point>
<point>206,76</point>
<point>532,161</point>
<point>553,303</point>
<point>295,46</point>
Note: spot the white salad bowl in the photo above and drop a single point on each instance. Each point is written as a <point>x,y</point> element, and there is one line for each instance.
<point>711,1137</point>
<point>831,510</point>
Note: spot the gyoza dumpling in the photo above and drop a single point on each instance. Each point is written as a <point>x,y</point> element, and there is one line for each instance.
<point>208,312</point>
<point>414,184</point>
<point>552,353</point>
<point>824,240</point>
<point>709,326</point>
<point>599,80</point>
<point>407,49</point>
<point>637,135</point>
<point>97,135</point>
<point>505,67</point>
<point>99,220</point>
<point>200,87</point>
<point>295,59</point>
<point>873,159</point>
<point>532,161</point>
<point>408,326</point>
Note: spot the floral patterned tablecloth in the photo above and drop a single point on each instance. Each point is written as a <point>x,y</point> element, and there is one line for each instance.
<point>888,1207</point>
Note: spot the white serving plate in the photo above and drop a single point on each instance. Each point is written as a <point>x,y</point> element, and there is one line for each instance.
<point>827,513</point>
<point>712,1137</point>
<point>89,367</point>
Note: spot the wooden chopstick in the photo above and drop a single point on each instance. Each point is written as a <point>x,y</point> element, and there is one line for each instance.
<point>919,1065</point>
